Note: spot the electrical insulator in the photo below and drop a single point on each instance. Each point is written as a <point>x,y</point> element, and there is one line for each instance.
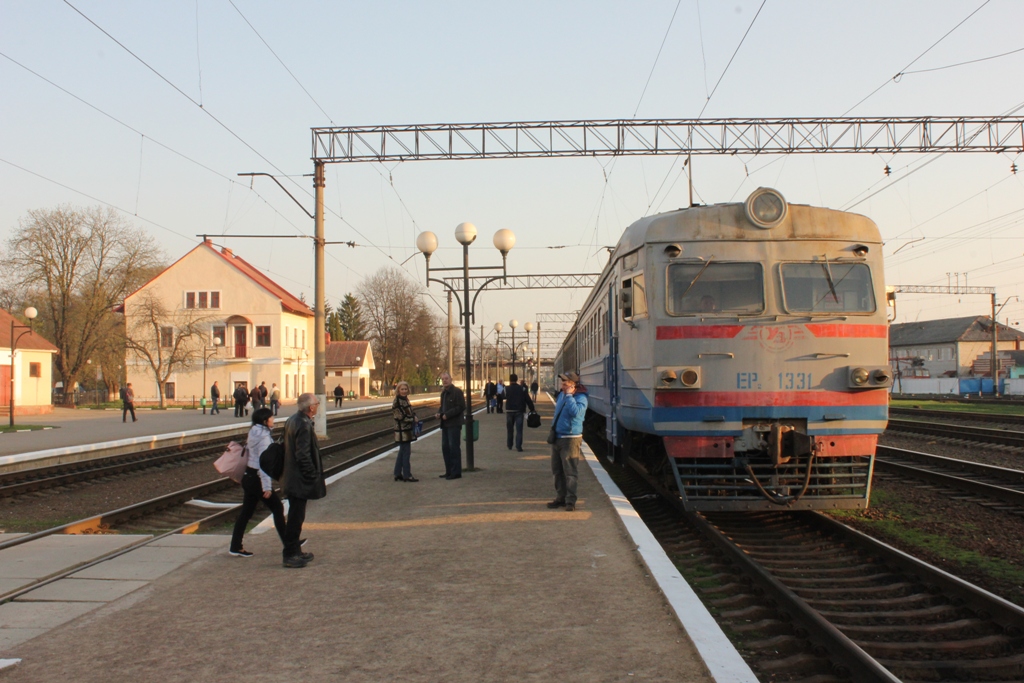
<point>1013,168</point>
<point>888,171</point>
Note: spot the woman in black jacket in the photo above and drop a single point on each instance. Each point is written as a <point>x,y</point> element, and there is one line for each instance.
<point>405,421</point>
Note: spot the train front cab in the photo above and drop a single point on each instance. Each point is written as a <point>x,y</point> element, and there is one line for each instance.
<point>769,375</point>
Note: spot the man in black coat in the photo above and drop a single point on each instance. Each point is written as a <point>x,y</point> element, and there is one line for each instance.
<point>339,396</point>
<point>453,405</point>
<point>489,391</point>
<point>517,400</point>
<point>215,397</point>
<point>303,477</point>
<point>241,397</point>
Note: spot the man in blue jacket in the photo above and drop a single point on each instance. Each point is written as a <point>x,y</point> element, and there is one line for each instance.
<point>570,409</point>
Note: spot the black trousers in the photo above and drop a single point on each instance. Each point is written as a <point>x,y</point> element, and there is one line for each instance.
<point>253,490</point>
<point>128,407</point>
<point>239,408</point>
<point>293,528</point>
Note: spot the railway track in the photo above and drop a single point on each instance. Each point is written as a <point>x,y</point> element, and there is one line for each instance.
<point>996,418</point>
<point>172,513</point>
<point>52,476</point>
<point>987,484</point>
<point>961,432</point>
<point>808,599</point>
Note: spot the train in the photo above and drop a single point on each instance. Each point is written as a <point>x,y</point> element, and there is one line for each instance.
<point>738,353</point>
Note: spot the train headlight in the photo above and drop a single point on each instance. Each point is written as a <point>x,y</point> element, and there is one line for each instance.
<point>859,377</point>
<point>690,378</point>
<point>881,376</point>
<point>765,207</point>
<point>667,377</point>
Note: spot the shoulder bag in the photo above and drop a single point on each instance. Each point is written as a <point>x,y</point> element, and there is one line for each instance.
<point>233,461</point>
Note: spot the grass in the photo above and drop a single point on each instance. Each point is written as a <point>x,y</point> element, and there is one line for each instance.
<point>958,407</point>
<point>4,429</point>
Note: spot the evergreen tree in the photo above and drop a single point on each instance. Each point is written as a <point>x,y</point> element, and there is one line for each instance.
<point>332,322</point>
<point>351,325</point>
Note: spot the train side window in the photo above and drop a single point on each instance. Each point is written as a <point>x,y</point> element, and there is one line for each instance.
<point>633,299</point>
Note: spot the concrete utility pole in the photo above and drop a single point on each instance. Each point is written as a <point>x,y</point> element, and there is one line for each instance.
<point>319,317</point>
<point>451,342</point>
<point>995,349</point>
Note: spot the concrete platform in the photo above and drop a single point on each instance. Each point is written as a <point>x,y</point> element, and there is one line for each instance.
<point>466,580</point>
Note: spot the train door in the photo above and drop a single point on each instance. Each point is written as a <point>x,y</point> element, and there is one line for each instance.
<point>612,368</point>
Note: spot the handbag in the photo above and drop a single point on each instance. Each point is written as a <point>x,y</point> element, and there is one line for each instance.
<point>417,428</point>
<point>533,420</point>
<point>233,461</point>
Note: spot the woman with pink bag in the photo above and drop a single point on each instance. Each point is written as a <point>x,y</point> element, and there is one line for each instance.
<point>256,484</point>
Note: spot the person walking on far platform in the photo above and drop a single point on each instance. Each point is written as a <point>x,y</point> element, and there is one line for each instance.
<point>570,409</point>
<point>499,395</point>
<point>256,484</point>
<point>275,398</point>
<point>533,389</point>
<point>214,396</point>
<point>405,421</point>
<point>263,394</point>
<point>453,405</point>
<point>303,477</point>
<point>517,400</point>
<point>241,396</point>
<point>128,403</point>
<point>339,396</point>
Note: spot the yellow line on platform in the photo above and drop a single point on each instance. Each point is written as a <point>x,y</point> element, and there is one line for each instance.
<point>487,518</point>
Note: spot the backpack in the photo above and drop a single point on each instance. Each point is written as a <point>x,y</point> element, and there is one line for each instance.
<point>272,460</point>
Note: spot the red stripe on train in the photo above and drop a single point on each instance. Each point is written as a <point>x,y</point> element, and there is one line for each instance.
<point>848,331</point>
<point>698,331</point>
<point>753,399</point>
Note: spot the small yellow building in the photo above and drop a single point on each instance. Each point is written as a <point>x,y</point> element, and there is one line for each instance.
<point>235,325</point>
<point>33,370</point>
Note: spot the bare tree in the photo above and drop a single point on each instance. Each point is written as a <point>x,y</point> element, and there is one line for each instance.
<point>390,305</point>
<point>77,265</point>
<point>166,340</point>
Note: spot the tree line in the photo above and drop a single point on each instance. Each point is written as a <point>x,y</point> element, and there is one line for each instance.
<point>77,265</point>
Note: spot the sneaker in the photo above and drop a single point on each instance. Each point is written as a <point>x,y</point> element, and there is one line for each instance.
<point>570,507</point>
<point>556,504</point>
<point>302,543</point>
<point>308,557</point>
<point>294,562</point>
<point>240,553</point>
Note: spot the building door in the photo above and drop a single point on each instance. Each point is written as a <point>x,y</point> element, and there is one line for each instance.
<point>240,342</point>
<point>362,386</point>
<point>5,385</point>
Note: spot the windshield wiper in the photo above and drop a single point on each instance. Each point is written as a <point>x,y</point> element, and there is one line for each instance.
<point>831,282</point>
<point>696,277</point>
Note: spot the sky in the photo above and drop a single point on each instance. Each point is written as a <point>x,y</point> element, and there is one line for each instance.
<point>154,108</point>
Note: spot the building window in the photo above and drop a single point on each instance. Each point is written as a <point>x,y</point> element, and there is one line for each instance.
<point>263,335</point>
<point>166,337</point>
<point>35,369</point>
<point>169,390</point>
<point>202,299</point>
<point>220,332</point>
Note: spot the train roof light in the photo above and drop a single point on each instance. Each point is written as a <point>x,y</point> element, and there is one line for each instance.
<point>765,207</point>
<point>673,250</point>
<point>860,250</point>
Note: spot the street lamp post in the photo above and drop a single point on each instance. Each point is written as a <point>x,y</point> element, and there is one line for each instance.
<point>31,314</point>
<point>208,353</point>
<point>465,233</point>
<point>359,360</point>
<point>513,323</point>
<point>497,350</point>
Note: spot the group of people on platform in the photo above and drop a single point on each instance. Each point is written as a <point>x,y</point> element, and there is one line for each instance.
<point>258,397</point>
<point>303,479</point>
<point>515,402</point>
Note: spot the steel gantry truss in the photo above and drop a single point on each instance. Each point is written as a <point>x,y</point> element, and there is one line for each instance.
<point>543,281</point>
<point>649,137</point>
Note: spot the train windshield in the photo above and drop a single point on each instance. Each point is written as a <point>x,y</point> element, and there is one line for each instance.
<point>825,287</point>
<point>709,288</point>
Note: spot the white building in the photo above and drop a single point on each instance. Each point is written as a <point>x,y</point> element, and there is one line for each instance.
<point>33,370</point>
<point>253,330</point>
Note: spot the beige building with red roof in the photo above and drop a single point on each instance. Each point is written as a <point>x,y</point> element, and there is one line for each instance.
<point>349,364</point>
<point>33,369</point>
<point>253,330</point>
